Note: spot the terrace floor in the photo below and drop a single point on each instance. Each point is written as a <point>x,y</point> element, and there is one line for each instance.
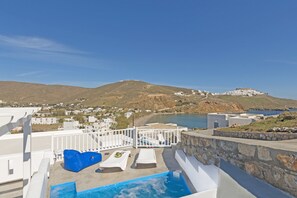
<point>91,178</point>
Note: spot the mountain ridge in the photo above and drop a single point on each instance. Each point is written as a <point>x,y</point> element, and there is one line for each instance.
<point>138,94</point>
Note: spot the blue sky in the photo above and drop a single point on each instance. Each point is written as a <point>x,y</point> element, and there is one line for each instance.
<point>210,45</point>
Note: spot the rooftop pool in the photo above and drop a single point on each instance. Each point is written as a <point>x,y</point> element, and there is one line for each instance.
<point>167,184</point>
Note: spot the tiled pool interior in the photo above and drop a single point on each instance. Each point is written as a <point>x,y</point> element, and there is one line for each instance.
<point>167,184</point>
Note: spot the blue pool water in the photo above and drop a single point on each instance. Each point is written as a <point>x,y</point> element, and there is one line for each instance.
<point>159,185</point>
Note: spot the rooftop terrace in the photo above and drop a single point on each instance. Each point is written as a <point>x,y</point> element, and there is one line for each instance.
<point>200,155</point>
<point>91,177</point>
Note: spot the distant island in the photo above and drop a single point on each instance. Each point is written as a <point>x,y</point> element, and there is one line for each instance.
<point>140,95</point>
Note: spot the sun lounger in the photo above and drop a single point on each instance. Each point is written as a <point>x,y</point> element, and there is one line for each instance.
<point>146,156</point>
<point>148,141</point>
<point>116,162</point>
<point>161,139</point>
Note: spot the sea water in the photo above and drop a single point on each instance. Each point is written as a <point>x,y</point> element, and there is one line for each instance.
<point>200,121</point>
<point>187,120</point>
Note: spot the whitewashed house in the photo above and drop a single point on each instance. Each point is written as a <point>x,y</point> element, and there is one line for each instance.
<point>128,114</point>
<point>107,122</point>
<point>45,120</point>
<point>77,112</point>
<point>67,113</point>
<point>71,124</point>
<point>92,119</point>
<point>221,120</point>
<point>180,93</point>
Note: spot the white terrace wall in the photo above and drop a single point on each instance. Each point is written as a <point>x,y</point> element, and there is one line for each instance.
<point>11,166</point>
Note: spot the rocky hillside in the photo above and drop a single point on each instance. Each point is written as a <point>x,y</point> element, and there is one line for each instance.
<point>138,94</point>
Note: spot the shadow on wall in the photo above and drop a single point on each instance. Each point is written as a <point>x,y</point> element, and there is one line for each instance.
<point>169,160</point>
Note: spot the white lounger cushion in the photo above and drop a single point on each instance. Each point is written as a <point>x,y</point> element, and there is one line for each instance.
<point>113,162</point>
<point>161,139</point>
<point>146,156</point>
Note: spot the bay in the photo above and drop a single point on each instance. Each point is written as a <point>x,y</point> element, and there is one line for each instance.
<point>193,121</point>
<point>187,120</point>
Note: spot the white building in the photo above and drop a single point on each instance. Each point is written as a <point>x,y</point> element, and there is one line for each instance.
<point>43,114</point>
<point>128,114</point>
<point>88,110</point>
<point>98,109</point>
<point>47,107</point>
<point>107,122</point>
<point>71,125</point>
<point>217,120</point>
<point>180,93</point>
<point>92,119</point>
<point>67,113</point>
<point>77,112</point>
<point>243,92</point>
<point>45,120</point>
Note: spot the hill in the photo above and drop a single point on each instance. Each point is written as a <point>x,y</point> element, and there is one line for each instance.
<point>138,94</point>
<point>260,102</point>
<point>25,93</point>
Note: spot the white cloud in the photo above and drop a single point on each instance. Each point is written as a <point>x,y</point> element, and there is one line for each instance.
<point>28,73</point>
<point>44,51</point>
<point>36,43</point>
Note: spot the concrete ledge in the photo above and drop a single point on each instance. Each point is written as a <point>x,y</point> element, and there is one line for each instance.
<point>269,136</point>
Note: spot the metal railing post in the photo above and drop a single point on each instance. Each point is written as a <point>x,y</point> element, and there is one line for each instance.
<point>52,144</point>
<point>98,140</point>
<point>135,137</point>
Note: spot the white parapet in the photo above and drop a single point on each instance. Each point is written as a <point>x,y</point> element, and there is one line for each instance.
<point>11,166</point>
<point>38,185</point>
<point>203,177</point>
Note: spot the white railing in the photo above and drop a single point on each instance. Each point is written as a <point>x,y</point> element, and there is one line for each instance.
<point>104,140</point>
<point>157,137</point>
<point>92,141</point>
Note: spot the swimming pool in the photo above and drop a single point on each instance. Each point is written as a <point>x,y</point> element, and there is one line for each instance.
<point>165,184</point>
